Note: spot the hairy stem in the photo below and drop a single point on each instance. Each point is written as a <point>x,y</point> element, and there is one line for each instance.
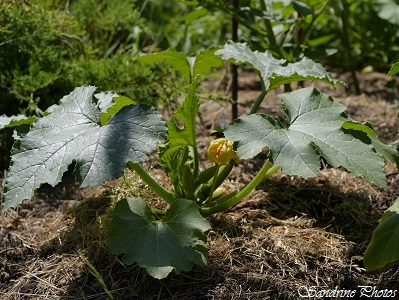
<point>159,190</point>
<point>228,201</point>
<point>215,176</point>
<point>273,46</point>
<point>258,101</point>
<point>309,27</point>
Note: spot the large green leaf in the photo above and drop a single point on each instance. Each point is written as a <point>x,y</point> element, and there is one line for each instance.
<point>73,132</point>
<point>314,129</point>
<point>174,242</point>
<point>275,72</point>
<point>383,249</point>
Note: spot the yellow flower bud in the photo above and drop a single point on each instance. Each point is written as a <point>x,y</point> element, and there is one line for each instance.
<point>220,151</point>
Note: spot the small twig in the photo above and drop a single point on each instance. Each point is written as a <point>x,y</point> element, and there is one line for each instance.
<point>5,250</point>
<point>44,281</point>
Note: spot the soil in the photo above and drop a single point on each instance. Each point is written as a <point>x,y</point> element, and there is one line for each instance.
<point>288,235</point>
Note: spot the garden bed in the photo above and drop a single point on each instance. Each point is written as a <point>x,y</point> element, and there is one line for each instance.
<point>288,236</point>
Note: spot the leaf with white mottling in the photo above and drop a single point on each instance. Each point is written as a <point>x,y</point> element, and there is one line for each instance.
<point>73,132</point>
<point>314,128</point>
<point>275,72</point>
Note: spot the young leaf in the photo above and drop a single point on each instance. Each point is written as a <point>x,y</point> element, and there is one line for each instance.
<point>182,134</point>
<point>195,15</point>
<point>387,151</point>
<point>205,61</point>
<point>72,132</point>
<point>387,10</point>
<point>174,242</point>
<point>15,121</point>
<point>178,60</point>
<point>394,69</point>
<point>273,72</point>
<point>182,126</point>
<point>188,67</point>
<point>314,129</point>
<point>383,250</point>
<point>110,103</point>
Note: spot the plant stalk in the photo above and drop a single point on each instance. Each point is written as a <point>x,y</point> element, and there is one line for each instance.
<point>265,172</point>
<point>344,15</point>
<point>159,190</point>
<point>215,177</point>
<point>268,25</point>
<point>258,101</point>
<point>305,34</point>
<point>234,68</point>
<point>273,46</point>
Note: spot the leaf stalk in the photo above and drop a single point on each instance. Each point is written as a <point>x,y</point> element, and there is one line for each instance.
<point>215,176</point>
<point>228,201</point>
<point>259,101</point>
<point>159,190</point>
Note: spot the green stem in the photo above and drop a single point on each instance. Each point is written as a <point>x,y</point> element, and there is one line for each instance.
<point>265,172</point>
<point>196,161</point>
<point>268,25</point>
<point>346,42</point>
<point>270,33</point>
<point>159,190</point>
<point>309,27</point>
<point>258,101</point>
<point>215,177</point>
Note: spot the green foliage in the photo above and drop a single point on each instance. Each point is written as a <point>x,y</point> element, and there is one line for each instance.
<point>47,48</point>
<point>180,27</point>
<point>170,57</point>
<point>31,48</point>
<point>154,85</point>
<point>382,251</point>
<point>282,27</point>
<point>174,241</point>
<point>205,32</point>
<point>314,128</point>
<point>110,25</point>
<point>351,34</point>
<point>371,40</point>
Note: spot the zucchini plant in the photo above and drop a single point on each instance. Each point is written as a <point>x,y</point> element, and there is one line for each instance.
<point>382,252</point>
<point>103,133</point>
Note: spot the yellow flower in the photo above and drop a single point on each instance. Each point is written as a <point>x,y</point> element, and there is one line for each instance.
<point>220,151</point>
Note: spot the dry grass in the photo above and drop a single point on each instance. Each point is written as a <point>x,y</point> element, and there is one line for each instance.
<point>289,233</point>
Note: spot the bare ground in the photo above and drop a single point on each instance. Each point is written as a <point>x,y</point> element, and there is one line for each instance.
<point>289,234</point>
